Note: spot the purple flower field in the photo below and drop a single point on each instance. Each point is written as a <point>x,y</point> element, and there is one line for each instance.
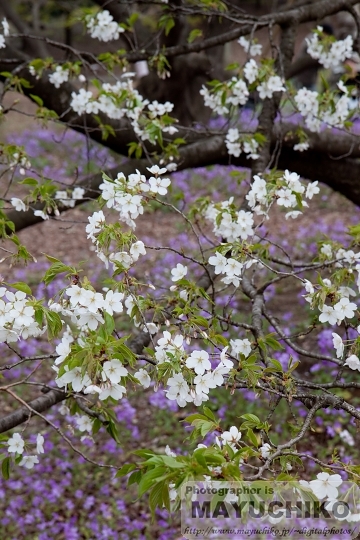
<point>65,497</point>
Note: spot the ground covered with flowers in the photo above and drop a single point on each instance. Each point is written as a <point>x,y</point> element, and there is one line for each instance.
<point>59,494</point>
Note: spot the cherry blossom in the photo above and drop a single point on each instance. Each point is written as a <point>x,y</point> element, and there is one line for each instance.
<point>179,272</point>
<point>199,362</point>
<point>39,444</point>
<point>232,436</point>
<point>114,370</point>
<point>353,362</point>
<point>18,204</point>
<point>338,345</point>
<point>143,377</point>
<point>16,444</point>
<point>326,485</point>
<point>84,423</point>
<point>240,346</point>
<point>29,461</point>
<point>265,450</point>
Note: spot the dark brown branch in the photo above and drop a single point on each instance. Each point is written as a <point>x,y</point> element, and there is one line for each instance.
<point>40,404</point>
<point>313,12</point>
<point>38,48</point>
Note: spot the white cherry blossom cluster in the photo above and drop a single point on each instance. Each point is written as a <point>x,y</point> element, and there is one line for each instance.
<point>127,259</point>
<point>317,111</point>
<point>103,27</point>
<point>59,76</point>
<point>192,388</point>
<point>236,143</point>
<point>301,146</point>
<point>269,86</point>
<point>336,115</point>
<point>325,488</point>
<point>285,191</point>
<point>5,33</point>
<point>352,361</point>
<point>251,71</point>
<point>159,109</point>
<point>345,258</point>
<point>127,195</point>
<point>250,47</point>
<point>83,102</point>
<point>69,200</point>
<point>21,159</point>
<point>146,326</point>
<point>111,375</point>
<point>121,100</point>
<point>213,100</point>
<point>307,102</point>
<point>16,446</point>
<point>343,309</point>
<point>17,317</point>
<point>230,267</point>
<point>85,308</point>
<point>233,92</point>
<point>268,81</point>
<point>233,225</point>
<point>330,54</point>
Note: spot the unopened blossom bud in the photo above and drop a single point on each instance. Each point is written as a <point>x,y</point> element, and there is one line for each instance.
<point>167,322</point>
<point>173,288</point>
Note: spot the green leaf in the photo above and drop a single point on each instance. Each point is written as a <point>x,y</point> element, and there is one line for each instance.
<point>276,365</point>
<point>54,324</point>
<point>252,437</point>
<point>5,468</point>
<point>172,462</point>
<point>56,268</point>
<point>144,453</point>
<point>251,418</point>
<point>37,100</point>
<point>273,343</point>
<point>156,497</point>
<point>96,426</point>
<point>134,478</point>
<point>219,340</point>
<point>109,323</point>
<point>194,34</point>
<point>113,432</point>
<point>150,478</point>
<point>208,412</point>
<point>29,182</point>
<point>20,286</point>
<point>125,469</point>
<point>200,321</point>
<point>206,427</point>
